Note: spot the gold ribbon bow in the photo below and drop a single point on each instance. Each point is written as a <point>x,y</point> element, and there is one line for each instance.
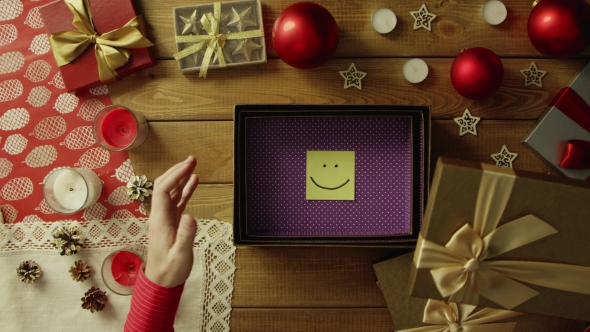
<point>110,48</point>
<point>213,40</point>
<point>463,268</point>
<point>454,317</point>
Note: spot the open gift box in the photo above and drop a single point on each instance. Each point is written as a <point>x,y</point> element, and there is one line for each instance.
<point>330,175</point>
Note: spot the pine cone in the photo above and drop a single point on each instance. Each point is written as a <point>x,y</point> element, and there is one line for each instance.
<point>80,271</point>
<point>94,299</point>
<point>139,188</point>
<point>28,272</point>
<point>68,240</point>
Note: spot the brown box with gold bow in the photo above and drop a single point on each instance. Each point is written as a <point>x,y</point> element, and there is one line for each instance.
<point>500,238</point>
<point>220,34</point>
<point>96,42</point>
<point>412,314</point>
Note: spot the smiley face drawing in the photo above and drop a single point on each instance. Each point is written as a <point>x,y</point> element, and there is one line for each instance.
<point>330,176</point>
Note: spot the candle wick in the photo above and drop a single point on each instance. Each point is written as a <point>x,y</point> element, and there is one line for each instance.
<point>385,23</point>
<point>71,189</point>
<point>415,70</point>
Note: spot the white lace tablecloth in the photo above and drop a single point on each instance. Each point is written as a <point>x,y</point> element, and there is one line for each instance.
<point>53,303</point>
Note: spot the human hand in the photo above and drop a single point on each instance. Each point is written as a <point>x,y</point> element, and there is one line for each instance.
<point>171,233</point>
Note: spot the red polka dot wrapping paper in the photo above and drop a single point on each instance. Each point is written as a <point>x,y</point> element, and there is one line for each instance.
<point>43,127</point>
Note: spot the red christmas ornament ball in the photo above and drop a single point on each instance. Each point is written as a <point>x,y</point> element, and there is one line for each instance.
<point>560,28</point>
<point>305,35</point>
<point>477,73</point>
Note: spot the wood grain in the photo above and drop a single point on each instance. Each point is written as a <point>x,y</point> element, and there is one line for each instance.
<point>298,320</point>
<point>163,93</point>
<point>307,277</point>
<point>491,135</point>
<point>458,25</point>
<point>171,142</point>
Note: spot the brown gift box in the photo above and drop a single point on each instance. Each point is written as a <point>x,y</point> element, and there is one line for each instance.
<point>407,311</point>
<point>562,203</point>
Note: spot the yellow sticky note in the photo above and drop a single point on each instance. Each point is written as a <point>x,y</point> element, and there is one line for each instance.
<point>329,176</point>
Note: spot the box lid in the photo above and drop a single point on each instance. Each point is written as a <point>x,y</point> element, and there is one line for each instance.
<point>555,203</point>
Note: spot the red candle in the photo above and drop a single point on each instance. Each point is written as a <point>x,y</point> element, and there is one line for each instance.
<point>118,128</point>
<point>125,267</point>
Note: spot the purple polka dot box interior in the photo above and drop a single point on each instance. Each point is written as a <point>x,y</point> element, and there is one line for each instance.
<point>330,174</point>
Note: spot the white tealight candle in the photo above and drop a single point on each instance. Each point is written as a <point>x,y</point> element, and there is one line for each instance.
<point>415,70</point>
<point>494,12</point>
<point>383,20</point>
<point>70,189</point>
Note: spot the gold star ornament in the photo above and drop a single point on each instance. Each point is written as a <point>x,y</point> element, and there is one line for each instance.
<point>468,123</point>
<point>533,76</point>
<point>226,55</point>
<point>191,24</point>
<point>223,23</point>
<point>241,20</point>
<point>352,77</point>
<point>423,18</point>
<point>504,158</point>
<point>246,47</point>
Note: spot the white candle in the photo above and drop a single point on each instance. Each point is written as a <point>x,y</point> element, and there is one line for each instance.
<point>383,20</point>
<point>415,70</point>
<point>494,12</point>
<point>70,189</point>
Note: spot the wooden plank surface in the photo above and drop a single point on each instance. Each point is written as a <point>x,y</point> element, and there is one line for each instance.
<point>171,142</point>
<point>298,320</point>
<point>163,93</point>
<point>307,277</point>
<point>458,25</point>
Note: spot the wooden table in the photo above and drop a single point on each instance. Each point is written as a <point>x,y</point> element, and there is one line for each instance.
<point>332,289</point>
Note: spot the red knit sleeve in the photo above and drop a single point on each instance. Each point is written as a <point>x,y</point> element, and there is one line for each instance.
<point>153,307</point>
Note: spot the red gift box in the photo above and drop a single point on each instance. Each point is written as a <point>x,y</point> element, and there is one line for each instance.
<point>107,15</point>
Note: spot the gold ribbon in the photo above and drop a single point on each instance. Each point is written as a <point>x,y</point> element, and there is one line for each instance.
<point>213,41</point>
<point>454,317</point>
<point>110,48</point>
<point>463,269</point>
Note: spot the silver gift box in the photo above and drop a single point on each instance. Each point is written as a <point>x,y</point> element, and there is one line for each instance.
<point>548,138</point>
<point>193,62</point>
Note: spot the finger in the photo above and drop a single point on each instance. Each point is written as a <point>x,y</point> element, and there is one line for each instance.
<point>185,236</point>
<point>172,170</point>
<point>187,192</point>
<point>177,193</point>
<point>166,186</point>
